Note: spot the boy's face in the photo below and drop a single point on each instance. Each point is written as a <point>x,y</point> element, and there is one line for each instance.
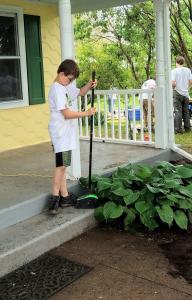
<point>66,79</point>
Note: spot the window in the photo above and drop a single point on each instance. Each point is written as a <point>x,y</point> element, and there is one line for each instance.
<point>10,75</point>
<point>13,79</point>
<point>21,69</point>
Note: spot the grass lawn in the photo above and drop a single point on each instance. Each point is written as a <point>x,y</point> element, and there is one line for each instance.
<point>116,129</point>
<point>185,140</point>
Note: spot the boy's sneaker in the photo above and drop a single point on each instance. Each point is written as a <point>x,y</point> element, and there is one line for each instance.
<point>53,205</point>
<point>69,200</point>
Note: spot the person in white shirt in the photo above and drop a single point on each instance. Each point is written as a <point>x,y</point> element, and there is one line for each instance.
<point>150,84</point>
<point>111,100</point>
<point>181,82</point>
<point>62,98</point>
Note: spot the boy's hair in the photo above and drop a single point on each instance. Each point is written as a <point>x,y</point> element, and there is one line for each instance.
<point>180,60</point>
<point>69,67</point>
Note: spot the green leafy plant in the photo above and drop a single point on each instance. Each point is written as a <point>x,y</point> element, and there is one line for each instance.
<point>152,195</point>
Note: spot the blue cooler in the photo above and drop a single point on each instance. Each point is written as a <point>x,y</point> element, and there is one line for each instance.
<point>137,114</point>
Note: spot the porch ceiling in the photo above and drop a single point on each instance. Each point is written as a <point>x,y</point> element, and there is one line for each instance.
<point>88,5</point>
<point>78,6</point>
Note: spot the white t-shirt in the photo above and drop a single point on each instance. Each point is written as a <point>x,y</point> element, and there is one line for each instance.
<point>62,131</point>
<point>148,85</point>
<point>182,75</point>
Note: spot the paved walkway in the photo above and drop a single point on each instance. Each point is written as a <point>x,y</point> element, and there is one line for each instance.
<point>27,172</point>
<point>125,267</point>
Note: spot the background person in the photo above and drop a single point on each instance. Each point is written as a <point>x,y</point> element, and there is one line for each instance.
<point>150,84</point>
<point>181,82</point>
<point>111,101</point>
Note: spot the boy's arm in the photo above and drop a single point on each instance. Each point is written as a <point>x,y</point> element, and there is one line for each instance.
<point>69,114</point>
<point>90,85</point>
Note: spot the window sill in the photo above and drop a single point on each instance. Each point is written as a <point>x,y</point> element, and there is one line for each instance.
<point>13,104</point>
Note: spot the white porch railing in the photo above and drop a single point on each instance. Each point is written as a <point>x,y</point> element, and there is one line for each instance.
<point>120,116</point>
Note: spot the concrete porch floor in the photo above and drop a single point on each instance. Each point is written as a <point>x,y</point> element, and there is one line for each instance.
<point>26,173</point>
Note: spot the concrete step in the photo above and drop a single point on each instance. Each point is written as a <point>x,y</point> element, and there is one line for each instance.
<point>29,239</point>
<point>31,207</point>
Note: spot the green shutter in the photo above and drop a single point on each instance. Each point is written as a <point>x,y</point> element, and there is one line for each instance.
<point>34,59</point>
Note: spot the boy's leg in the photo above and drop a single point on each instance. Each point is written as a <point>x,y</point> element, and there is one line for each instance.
<point>60,194</point>
<point>66,199</point>
<point>63,185</point>
<point>57,179</point>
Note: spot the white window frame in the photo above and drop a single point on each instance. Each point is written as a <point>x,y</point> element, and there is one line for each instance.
<point>12,10</point>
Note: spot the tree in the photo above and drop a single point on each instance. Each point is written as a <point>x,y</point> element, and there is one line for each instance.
<point>181,24</point>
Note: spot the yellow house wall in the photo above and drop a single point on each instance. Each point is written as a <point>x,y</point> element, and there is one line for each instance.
<point>28,125</point>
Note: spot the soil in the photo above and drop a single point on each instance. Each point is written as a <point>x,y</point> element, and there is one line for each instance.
<point>183,161</point>
<point>177,248</point>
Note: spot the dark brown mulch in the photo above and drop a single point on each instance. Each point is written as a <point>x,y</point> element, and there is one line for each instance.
<point>183,161</point>
<point>179,254</point>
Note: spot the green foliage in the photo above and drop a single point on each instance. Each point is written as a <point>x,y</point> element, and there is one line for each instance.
<point>122,50</point>
<point>119,43</point>
<point>112,210</point>
<point>181,219</point>
<point>151,195</point>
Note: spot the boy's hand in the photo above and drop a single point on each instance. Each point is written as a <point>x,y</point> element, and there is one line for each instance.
<point>91,111</point>
<point>93,84</point>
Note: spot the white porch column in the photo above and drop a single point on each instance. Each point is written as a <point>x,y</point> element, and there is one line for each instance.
<point>163,65</point>
<point>169,90</point>
<point>67,51</point>
<point>66,29</point>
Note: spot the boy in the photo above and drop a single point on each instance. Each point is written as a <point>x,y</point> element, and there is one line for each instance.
<point>62,130</point>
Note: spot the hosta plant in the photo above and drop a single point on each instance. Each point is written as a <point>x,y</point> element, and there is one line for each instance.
<point>151,195</point>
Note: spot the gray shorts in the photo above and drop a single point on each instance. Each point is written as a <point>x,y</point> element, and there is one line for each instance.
<point>63,159</point>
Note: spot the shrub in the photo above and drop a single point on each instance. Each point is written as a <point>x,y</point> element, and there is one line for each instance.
<point>152,195</point>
